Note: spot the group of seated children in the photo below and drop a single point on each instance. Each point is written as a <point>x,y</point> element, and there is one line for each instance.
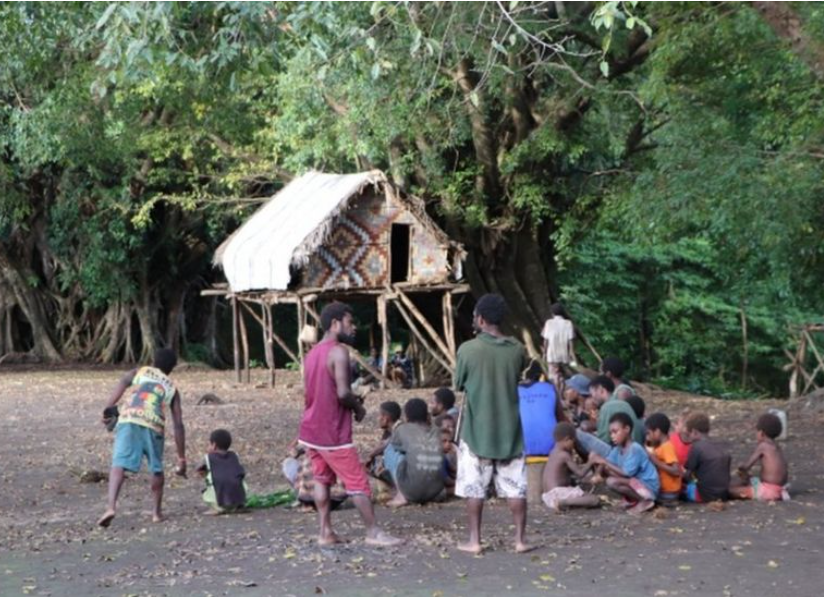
<point>646,460</point>
<point>416,456</point>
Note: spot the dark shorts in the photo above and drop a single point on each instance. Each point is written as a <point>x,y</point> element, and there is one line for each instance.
<point>132,442</point>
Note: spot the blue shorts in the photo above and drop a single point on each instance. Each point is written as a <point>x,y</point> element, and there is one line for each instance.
<point>131,442</point>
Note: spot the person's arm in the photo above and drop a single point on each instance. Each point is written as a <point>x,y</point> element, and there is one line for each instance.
<point>560,413</point>
<point>692,463</point>
<point>605,465</point>
<point>756,456</point>
<point>672,468</point>
<point>180,434</point>
<point>118,391</point>
<point>376,451</point>
<point>579,470</point>
<point>340,370</point>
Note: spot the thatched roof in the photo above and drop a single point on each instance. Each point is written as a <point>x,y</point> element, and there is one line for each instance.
<point>291,226</point>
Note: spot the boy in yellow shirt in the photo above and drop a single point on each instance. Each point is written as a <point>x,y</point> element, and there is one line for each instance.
<point>663,456</point>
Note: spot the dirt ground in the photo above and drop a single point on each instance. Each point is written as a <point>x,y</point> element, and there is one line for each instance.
<point>49,544</point>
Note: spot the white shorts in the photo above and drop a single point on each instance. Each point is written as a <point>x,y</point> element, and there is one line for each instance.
<point>559,494</point>
<point>475,476</point>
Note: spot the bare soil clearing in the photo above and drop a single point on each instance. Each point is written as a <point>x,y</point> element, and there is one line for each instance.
<point>49,544</point>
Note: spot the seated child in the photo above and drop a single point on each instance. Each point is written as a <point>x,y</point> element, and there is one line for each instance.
<point>707,471</point>
<point>225,486</point>
<point>772,484</point>
<point>297,469</point>
<point>558,490</point>
<point>576,391</point>
<point>589,417</point>
<point>639,407</point>
<point>450,454</point>
<point>627,468</point>
<point>388,416</point>
<point>443,403</point>
<point>680,438</point>
<point>414,457</point>
<point>662,454</point>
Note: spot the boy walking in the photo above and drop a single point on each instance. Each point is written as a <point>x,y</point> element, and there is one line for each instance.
<point>491,441</point>
<point>140,429</point>
<point>326,427</point>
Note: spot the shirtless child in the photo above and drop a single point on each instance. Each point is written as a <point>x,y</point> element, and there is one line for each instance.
<point>558,490</point>
<point>771,486</point>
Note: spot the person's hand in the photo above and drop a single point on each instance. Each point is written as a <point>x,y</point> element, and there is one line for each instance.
<point>180,471</point>
<point>360,413</point>
<point>595,458</point>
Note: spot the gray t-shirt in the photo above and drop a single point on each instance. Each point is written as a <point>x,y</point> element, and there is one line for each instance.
<point>420,473</point>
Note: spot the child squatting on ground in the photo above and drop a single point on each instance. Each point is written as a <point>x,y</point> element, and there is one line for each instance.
<point>707,471</point>
<point>771,485</point>
<point>225,489</point>
<point>663,456</point>
<point>627,467</point>
<point>558,489</point>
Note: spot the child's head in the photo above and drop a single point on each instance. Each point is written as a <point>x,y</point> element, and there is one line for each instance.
<point>165,359</point>
<point>415,411</point>
<point>620,429</point>
<point>576,388</point>
<point>698,425</point>
<point>557,310</point>
<point>564,435</point>
<point>447,423</point>
<point>613,367</point>
<point>533,372</point>
<point>639,407</point>
<point>220,439</point>
<point>658,428</point>
<point>389,414</point>
<point>768,426</point>
<point>442,400</point>
<point>446,440</point>
<point>591,408</point>
<point>601,388</point>
<point>679,426</point>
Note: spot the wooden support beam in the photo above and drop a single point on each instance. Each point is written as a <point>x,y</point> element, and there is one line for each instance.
<point>244,337</point>
<point>269,349</point>
<point>407,302</point>
<point>289,352</point>
<point>420,336</point>
<point>449,323</point>
<point>354,354</point>
<point>383,321</point>
<point>301,325</point>
<point>235,344</point>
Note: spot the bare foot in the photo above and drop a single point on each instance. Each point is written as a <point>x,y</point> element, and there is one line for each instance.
<point>329,540</point>
<point>106,519</point>
<point>157,517</point>
<point>474,548</point>
<point>383,539</point>
<point>523,547</point>
<point>398,501</point>
<point>642,507</point>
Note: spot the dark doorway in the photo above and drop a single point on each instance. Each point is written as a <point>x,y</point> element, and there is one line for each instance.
<point>399,247</point>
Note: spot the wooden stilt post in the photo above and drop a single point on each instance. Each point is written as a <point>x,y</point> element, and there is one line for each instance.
<point>244,336</point>
<point>449,324</point>
<point>301,325</point>
<point>384,323</point>
<point>236,344</point>
<point>268,348</point>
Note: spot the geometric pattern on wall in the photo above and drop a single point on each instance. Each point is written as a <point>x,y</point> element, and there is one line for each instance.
<point>356,253</point>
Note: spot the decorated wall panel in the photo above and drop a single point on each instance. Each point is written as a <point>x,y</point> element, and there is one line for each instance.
<point>357,252</point>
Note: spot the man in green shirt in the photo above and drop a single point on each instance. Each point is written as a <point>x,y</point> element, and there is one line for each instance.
<point>491,442</point>
<point>603,392</point>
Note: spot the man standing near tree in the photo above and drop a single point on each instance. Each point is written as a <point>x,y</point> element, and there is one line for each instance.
<point>491,441</point>
<point>326,427</point>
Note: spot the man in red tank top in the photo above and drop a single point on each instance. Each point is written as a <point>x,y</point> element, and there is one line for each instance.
<point>326,427</point>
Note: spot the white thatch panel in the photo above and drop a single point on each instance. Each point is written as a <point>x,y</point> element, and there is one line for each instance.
<point>286,229</point>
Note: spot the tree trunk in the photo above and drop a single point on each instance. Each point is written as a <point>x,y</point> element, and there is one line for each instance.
<point>785,22</point>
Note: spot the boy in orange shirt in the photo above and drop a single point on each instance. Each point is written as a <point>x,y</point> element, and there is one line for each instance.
<point>663,456</point>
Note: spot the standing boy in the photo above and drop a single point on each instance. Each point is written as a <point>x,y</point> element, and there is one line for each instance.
<point>326,427</point>
<point>491,442</point>
<point>771,485</point>
<point>627,467</point>
<point>140,429</point>
<point>663,456</point>
<point>708,463</point>
<point>558,490</point>
<point>414,457</point>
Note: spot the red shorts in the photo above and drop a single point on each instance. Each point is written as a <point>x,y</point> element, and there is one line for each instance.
<point>341,464</point>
